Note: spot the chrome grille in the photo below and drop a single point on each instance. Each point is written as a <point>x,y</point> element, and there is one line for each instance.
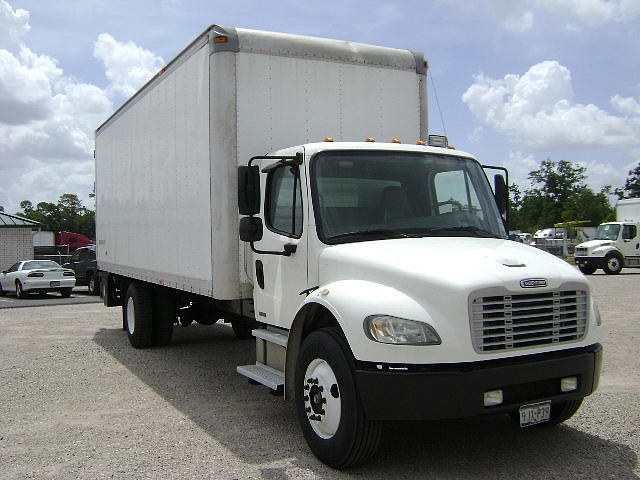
<point>509,322</point>
<point>581,251</point>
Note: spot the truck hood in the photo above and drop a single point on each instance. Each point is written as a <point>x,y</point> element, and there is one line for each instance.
<point>454,264</point>
<point>595,244</point>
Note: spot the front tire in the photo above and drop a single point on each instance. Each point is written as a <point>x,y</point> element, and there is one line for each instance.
<point>588,269</point>
<point>613,264</point>
<point>138,318</point>
<point>332,419</point>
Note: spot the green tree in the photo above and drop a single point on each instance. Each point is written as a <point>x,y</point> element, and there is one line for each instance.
<point>558,194</point>
<point>631,186</point>
<point>67,215</point>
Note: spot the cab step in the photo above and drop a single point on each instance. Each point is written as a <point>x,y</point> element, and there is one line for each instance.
<point>263,374</point>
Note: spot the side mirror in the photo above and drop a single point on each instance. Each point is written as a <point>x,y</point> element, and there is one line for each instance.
<point>249,190</point>
<point>500,188</point>
<point>250,229</point>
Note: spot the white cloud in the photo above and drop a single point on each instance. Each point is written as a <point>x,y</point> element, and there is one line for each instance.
<point>519,16</point>
<point>536,110</point>
<point>128,66</point>
<point>47,118</point>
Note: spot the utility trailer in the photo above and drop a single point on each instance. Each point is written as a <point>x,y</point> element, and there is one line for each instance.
<point>289,185</point>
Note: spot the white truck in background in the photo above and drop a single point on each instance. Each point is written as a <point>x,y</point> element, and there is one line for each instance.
<point>376,277</point>
<point>615,244</point>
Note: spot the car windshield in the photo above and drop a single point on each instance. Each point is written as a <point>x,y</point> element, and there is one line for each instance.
<point>607,231</point>
<point>38,264</point>
<point>378,195</point>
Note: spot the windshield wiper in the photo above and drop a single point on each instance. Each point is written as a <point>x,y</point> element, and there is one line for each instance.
<point>471,229</point>
<point>384,232</point>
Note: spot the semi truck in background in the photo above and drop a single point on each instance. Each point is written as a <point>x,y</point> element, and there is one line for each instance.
<point>244,182</point>
<point>615,244</point>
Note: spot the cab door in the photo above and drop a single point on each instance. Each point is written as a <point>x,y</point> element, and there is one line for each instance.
<point>630,245</point>
<point>280,256</point>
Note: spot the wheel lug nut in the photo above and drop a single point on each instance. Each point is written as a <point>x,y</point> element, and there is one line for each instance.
<point>308,409</point>
<point>306,387</point>
<point>306,398</point>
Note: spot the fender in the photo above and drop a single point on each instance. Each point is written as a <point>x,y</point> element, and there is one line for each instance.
<point>350,302</point>
<point>606,250</point>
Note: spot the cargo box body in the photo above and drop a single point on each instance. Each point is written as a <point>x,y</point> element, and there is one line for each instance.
<point>166,161</point>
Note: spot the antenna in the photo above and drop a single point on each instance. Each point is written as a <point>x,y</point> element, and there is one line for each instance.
<point>435,94</point>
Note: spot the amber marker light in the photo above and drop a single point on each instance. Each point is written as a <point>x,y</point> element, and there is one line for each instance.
<point>328,139</point>
<point>421,142</point>
<point>370,139</point>
<point>221,39</point>
<point>395,140</point>
<point>451,147</point>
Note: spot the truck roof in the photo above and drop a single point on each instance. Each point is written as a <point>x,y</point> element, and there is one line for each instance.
<point>313,148</point>
<point>230,39</point>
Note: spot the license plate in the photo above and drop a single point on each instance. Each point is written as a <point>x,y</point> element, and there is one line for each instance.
<point>55,284</point>
<point>535,413</point>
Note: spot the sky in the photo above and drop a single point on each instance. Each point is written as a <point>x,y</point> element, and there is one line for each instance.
<point>516,81</point>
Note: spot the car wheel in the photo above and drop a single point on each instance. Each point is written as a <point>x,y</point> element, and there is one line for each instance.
<point>20,293</point>
<point>612,264</point>
<point>331,416</point>
<point>138,317</point>
<point>93,285</point>
<point>65,292</point>
<point>588,269</point>
<point>164,314</point>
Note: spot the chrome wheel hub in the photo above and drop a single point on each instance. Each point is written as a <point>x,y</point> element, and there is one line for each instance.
<point>322,398</point>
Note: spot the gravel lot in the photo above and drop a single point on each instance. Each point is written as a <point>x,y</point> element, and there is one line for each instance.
<point>76,401</point>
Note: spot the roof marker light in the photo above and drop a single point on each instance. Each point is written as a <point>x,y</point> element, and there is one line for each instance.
<point>221,39</point>
<point>395,140</point>
<point>328,139</point>
<point>370,139</point>
<point>451,147</point>
<point>421,142</point>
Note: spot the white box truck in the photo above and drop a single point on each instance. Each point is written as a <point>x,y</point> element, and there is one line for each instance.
<point>376,277</point>
<point>615,244</point>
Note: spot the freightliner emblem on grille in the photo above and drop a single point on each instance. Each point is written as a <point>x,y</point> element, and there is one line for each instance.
<point>533,282</point>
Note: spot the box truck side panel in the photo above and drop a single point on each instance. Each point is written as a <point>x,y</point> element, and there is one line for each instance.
<point>285,101</point>
<point>153,172</point>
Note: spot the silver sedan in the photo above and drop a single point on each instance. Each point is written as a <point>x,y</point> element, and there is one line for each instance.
<point>37,276</point>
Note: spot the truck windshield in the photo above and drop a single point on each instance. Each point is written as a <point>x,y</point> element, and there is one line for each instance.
<point>377,195</point>
<point>607,231</point>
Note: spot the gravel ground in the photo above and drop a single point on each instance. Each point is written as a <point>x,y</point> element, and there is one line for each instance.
<point>76,401</point>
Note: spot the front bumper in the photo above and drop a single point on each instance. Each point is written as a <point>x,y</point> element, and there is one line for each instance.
<point>597,262</point>
<point>431,392</point>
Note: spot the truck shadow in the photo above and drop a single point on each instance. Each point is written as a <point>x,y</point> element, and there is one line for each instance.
<point>196,374</point>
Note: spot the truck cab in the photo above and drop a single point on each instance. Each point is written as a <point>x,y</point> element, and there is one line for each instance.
<point>388,290</point>
<point>615,245</point>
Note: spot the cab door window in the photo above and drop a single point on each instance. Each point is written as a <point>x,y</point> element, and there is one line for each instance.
<point>629,232</point>
<point>283,212</point>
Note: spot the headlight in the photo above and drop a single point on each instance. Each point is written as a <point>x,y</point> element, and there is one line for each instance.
<point>596,312</point>
<point>394,330</point>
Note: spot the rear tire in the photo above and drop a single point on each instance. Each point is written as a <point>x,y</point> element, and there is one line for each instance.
<point>164,314</point>
<point>20,293</point>
<point>329,411</point>
<point>612,264</point>
<point>137,309</point>
<point>587,270</point>
<point>93,285</point>
<point>65,292</point>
